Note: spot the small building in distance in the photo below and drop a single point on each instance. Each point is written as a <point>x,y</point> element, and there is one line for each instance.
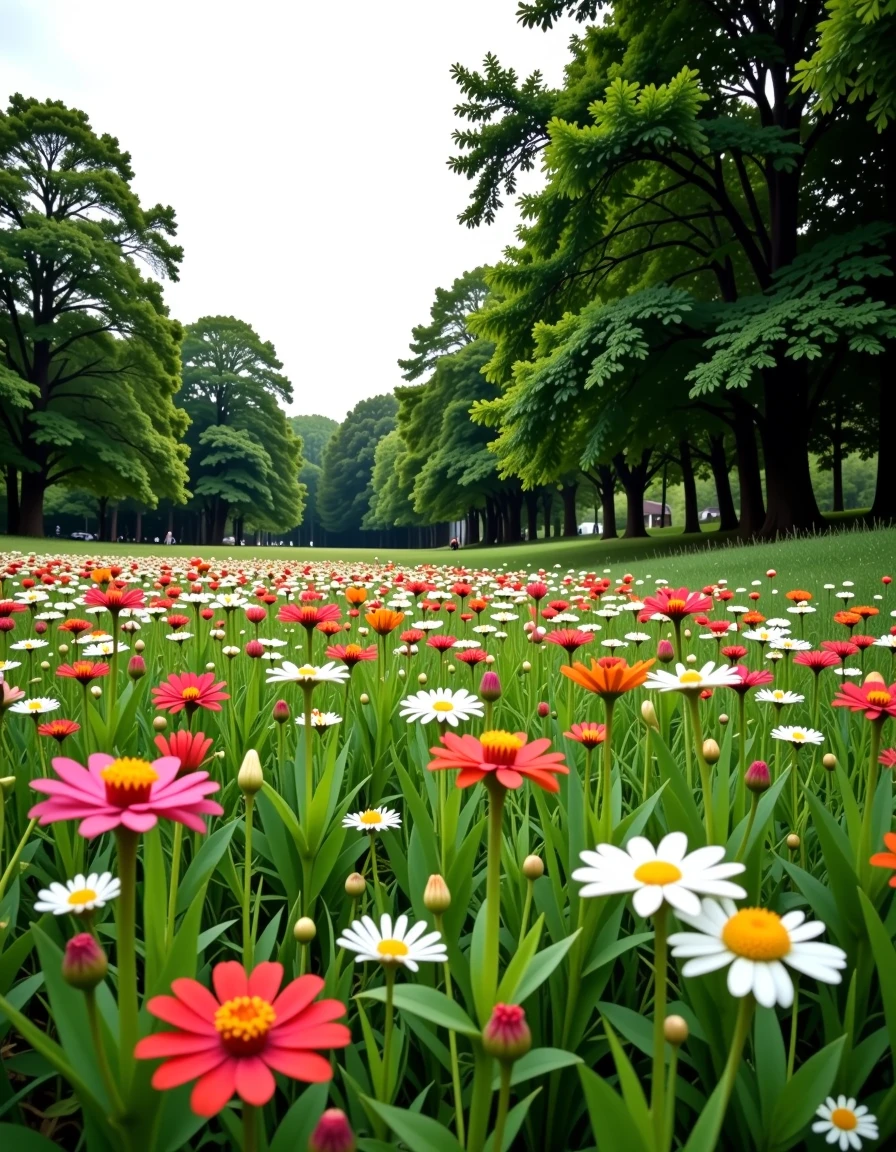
<point>657,515</point>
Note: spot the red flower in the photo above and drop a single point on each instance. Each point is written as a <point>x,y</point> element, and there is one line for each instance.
<point>887,859</point>
<point>83,671</point>
<point>471,656</point>
<point>537,590</point>
<point>589,734</point>
<point>841,648</point>
<point>818,660</point>
<point>441,643</point>
<point>676,603</point>
<point>351,654</point>
<point>505,754</point>
<point>568,638</point>
<point>187,690</point>
<point>750,679</point>
<point>234,1041</point>
<point>58,729</point>
<point>308,615</point>
<point>888,758</point>
<point>191,748</point>
<point>114,599</point>
<point>873,698</point>
<point>733,652</point>
<point>176,620</point>
<point>10,607</point>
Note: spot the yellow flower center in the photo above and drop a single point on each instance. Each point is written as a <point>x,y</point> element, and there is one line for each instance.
<point>844,1119</point>
<point>879,698</point>
<point>392,949</point>
<point>447,706</point>
<point>35,706</point>
<point>757,934</point>
<point>675,607</point>
<point>797,735</point>
<point>82,896</point>
<point>190,694</point>
<point>500,747</point>
<point>689,677</point>
<point>371,817</point>
<point>307,670</point>
<point>778,694</point>
<point>657,872</point>
<point>128,781</point>
<point>244,1023</point>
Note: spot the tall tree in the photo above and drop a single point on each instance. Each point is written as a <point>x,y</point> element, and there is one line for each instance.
<point>89,355</point>
<point>447,330</point>
<point>245,457</point>
<point>346,482</point>
<point>315,432</point>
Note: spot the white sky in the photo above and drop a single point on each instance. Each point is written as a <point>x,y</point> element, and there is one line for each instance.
<point>303,147</point>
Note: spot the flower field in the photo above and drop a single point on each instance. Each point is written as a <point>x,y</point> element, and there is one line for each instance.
<point>337,856</point>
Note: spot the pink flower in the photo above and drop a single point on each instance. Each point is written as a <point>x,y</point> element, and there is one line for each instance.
<point>126,792</point>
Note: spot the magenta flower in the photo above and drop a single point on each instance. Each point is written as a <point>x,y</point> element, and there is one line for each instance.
<point>125,792</point>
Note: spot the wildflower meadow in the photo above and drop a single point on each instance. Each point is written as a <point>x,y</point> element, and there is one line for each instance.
<point>441,857</point>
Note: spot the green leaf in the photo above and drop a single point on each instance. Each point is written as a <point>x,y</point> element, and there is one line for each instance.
<point>427,1003</point>
<point>885,964</point>
<point>617,948</point>
<point>539,1062</point>
<point>611,1125</point>
<point>297,1125</point>
<point>20,1139</point>
<point>512,1125</point>
<point>203,864</point>
<point>835,848</point>
<point>155,895</point>
<point>420,1133</point>
<point>771,1064</point>
<point>632,1092</point>
<point>520,962</point>
<point>803,1093</point>
<point>542,966</point>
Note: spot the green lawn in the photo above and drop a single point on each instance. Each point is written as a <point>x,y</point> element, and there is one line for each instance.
<point>853,553</point>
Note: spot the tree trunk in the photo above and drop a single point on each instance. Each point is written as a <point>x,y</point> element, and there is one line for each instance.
<point>792,506</point>
<point>568,496</point>
<point>12,500</point>
<point>633,480</point>
<point>102,505</point>
<point>514,520</point>
<point>837,471</point>
<point>491,520</point>
<point>219,523</point>
<point>608,501</point>
<point>473,526</point>
<point>31,512</point>
<point>691,511</point>
<point>532,515</point>
<point>547,498</point>
<point>113,526</point>
<point>884,506</point>
<point>718,462</point>
<point>139,529</point>
<point>752,505</point>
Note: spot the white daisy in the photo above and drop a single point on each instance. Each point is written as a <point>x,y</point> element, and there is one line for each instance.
<point>658,874</point>
<point>35,706</point>
<point>764,635</point>
<point>268,642</point>
<point>790,644</point>
<point>887,641</point>
<point>757,943</point>
<point>637,637</point>
<point>82,894</point>
<point>797,736</point>
<point>445,705</point>
<point>104,649</point>
<point>373,820</point>
<point>847,671</point>
<point>778,696</point>
<point>179,637</point>
<point>95,638</point>
<point>844,1123</point>
<point>611,643</point>
<point>320,721</point>
<point>28,645</point>
<point>390,944</point>
<point>329,673</point>
<point>685,679</point>
<point>8,665</point>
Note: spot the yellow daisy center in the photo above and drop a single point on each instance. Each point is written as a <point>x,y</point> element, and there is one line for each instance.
<point>82,896</point>
<point>844,1119</point>
<point>657,872</point>
<point>244,1023</point>
<point>307,670</point>
<point>189,694</point>
<point>447,706</point>
<point>879,698</point>
<point>35,706</point>
<point>675,607</point>
<point>689,677</point>
<point>757,934</point>
<point>500,747</point>
<point>797,735</point>
<point>778,694</point>
<point>392,949</point>
<point>371,816</point>
<point>128,781</point>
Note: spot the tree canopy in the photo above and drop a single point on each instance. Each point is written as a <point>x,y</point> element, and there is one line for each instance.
<point>346,481</point>
<point>315,432</point>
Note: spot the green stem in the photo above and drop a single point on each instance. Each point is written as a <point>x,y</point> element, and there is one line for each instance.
<point>14,860</point>
<point>873,773</point>
<point>247,887</point>
<point>647,762</point>
<point>377,891</point>
<point>705,777</point>
<point>749,829</point>
<point>791,1054</point>
<point>527,908</point>
<point>480,1101</point>
<point>452,1044</point>
<point>740,791</point>
<point>496,796</point>
<point>503,1104</point>
<point>102,1062</point>
<point>176,850</point>
<point>250,1127</point>
<point>605,820</point>
<point>671,1087</point>
<point>586,807</point>
<point>385,1094</point>
<point>126,924</point>
<point>309,754</point>
<point>660,976</point>
<point>794,791</point>
<point>741,1029</point>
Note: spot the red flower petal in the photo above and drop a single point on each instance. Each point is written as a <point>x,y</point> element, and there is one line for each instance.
<point>214,1089</point>
<point>230,980</point>
<point>196,997</point>
<point>295,997</point>
<point>181,1069</point>
<point>254,1080</point>
<point>265,980</point>
<point>307,1066</point>
<point>162,1044</point>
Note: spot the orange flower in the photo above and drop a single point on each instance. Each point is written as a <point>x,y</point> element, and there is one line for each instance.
<point>798,594</point>
<point>848,619</point>
<point>609,677</point>
<point>865,610</point>
<point>887,859</point>
<point>384,620</point>
<point>355,595</point>
<point>101,575</point>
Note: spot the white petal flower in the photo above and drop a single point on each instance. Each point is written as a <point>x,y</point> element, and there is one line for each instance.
<point>778,696</point>
<point>658,874</point>
<point>797,736</point>
<point>441,704</point>
<point>82,894</point>
<point>755,944</point>
<point>393,944</point>
<point>373,820</point>
<point>764,635</point>
<point>685,679</point>
<point>845,1124</point>
<point>28,645</point>
<point>35,706</point>
<point>329,673</point>
<point>320,721</point>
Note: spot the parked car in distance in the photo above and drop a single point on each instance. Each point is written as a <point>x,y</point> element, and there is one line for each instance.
<point>228,540</point>
<point>83,536</point>
<point>590,528</point>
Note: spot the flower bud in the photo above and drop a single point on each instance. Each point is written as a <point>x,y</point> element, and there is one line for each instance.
<point>333,1133</point>
<point>136,667</point>
<point>7,785</point>
<point>829,760</point>
<point>280,712</point>
<point>874,678</point>
<point>250,776</point>
<point>355,885</point>
<point>160,723</point>
<point>364,698</point>
<point>665,653</point>
<point>95,691</point>
<point>723,718</point>
<point>507,1036</point>
<point>140,645</point>
<point>544,709</point>
<point>40,627</point>
<point>84,964</point>
<point>63,649</point>
<point>210,666</point>
<point>489,660</point>
<point>451,669</point>
<point>422,678</point>
<point>690,658</point>
<point>254,649</point>
<point>304,930</point>
<point>757,777</point>
<point>793,842</point>
<point>533,867</point>
<point>526,666</point>
<point>675,1030</point>
<point>490,687</point>
<point>711,751</point>
<point>687,633</point>
<point>648,715</point>
<point>436,896</point>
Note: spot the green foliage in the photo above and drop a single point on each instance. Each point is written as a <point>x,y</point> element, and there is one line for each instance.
<point>346,482</point>
<point>447,330</point>
<point>90,357</point>
<point>390,501</point>
<point>315,432</point>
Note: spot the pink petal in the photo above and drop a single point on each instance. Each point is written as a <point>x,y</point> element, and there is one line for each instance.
<point>138,821</point>
<point>166,768</point>
<point>254,1080</point>
<point>96,762</point>
<point>77,776</point>
<point>214,1089</point>
<point>265,980</point>
<point>300,1036</point>
<point>230,980</point>
<point>296,997</point>
<point>307,1066</point>
<point>59,788</point>
<point>96,825</point>
<point>178,1071</point>
<point>162,1044</point>
<point>186,817</point>
<point>196,997</point>
<point>509,777</point>
<point>320,1012</point>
